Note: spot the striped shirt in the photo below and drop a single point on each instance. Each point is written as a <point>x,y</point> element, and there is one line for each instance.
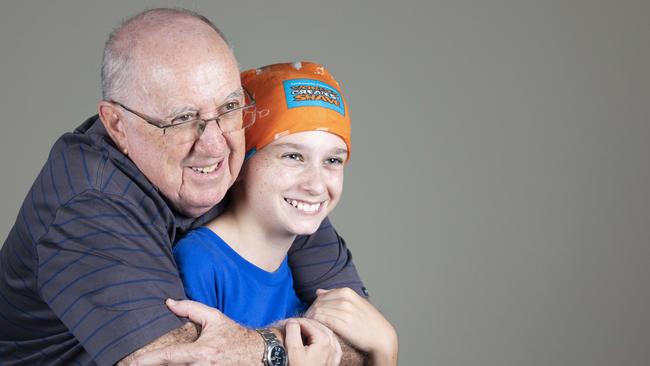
<point>88,263</point>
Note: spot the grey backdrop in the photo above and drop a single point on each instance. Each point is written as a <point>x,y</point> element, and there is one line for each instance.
<point>498,197</point>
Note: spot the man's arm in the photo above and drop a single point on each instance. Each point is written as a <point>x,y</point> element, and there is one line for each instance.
<point>351,356</point>
<point>185,334</point>
<point>224,342</point>
<point>214,338</point>
<point>105,270</point>
<point>322,260</point>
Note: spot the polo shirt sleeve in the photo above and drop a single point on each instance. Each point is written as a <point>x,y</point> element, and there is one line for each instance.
<point>322,260</point>
<point>105,269</point>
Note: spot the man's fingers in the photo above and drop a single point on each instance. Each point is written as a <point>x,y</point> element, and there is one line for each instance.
<point>179,307</point>
<point>328,337</point>
<point>171,355</point>
<point>312,330</point>
<point>196,312</point>
<point>292,334</point>
<point>339,352</point>
<point>321,291</point>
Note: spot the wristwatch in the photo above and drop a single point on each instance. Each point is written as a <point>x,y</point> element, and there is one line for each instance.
<point>274,354</point>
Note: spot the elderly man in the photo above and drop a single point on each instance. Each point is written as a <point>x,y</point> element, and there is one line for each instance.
<point>88,264</point>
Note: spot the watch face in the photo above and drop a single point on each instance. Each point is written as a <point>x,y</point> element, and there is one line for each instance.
<point>277,356</point>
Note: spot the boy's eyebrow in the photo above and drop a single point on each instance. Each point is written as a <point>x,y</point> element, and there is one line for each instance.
<point>291,145</point>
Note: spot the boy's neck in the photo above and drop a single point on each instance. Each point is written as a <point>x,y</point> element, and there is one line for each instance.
<point>250,239</point>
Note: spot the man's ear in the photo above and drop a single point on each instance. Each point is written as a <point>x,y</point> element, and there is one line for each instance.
<point>113,124</point>
<point>240,175</point>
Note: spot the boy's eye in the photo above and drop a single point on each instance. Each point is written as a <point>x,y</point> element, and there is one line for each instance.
<point>334,161</point>
<point>293,156</point>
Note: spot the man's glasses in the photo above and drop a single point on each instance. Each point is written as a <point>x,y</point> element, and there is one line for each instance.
<point>188,127</point>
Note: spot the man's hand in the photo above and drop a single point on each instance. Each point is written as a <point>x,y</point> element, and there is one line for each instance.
<point>321,346</point>
<point>356,321</point>
<point>221,341</point>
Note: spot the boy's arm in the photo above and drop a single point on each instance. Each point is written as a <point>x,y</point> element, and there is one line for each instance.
<point>358,322</point>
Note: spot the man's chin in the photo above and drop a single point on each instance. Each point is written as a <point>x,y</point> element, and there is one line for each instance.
<point>196,208</point>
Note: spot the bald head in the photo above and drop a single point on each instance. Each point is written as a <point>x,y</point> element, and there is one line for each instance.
<point>152,33</point>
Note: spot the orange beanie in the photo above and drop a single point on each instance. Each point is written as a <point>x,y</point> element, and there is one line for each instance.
<point>294,97</point>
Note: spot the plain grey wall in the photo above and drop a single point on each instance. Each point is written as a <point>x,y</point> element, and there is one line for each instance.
<point>498,197</point>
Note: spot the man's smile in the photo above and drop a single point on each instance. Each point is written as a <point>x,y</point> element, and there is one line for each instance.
<point>206,169</point>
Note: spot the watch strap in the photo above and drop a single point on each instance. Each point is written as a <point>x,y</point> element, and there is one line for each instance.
<point>269,337</point>
<point>270,341</point>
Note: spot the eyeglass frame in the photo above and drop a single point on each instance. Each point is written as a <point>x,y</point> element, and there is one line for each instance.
<point>163,125</point>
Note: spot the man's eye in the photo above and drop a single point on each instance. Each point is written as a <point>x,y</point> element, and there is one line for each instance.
<point>293,156</point>
<point>184,118</point>
<point>230,106</point>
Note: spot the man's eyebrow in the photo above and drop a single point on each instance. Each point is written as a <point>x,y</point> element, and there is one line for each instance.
<point>237,93</point>
<point>180,110</point>
<point>187,108</point>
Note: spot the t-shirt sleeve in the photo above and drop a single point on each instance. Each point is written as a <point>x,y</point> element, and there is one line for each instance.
<point>105,269</point>
<point>195,268</point>
<point>322,260</point>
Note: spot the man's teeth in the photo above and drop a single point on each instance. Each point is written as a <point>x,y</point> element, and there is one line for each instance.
<point>303,206</point>
<point>206,169</point>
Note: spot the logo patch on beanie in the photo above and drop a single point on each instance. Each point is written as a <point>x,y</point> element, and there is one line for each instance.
<point>312,93</point>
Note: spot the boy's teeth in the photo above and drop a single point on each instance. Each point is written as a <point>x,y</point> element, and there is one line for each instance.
<point>306,207</point>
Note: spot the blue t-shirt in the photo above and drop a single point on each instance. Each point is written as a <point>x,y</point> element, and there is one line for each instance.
<point>216,275</point>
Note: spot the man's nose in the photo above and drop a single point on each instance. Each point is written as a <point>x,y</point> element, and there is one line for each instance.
<point>210,125</point>
<point>210,137</point>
